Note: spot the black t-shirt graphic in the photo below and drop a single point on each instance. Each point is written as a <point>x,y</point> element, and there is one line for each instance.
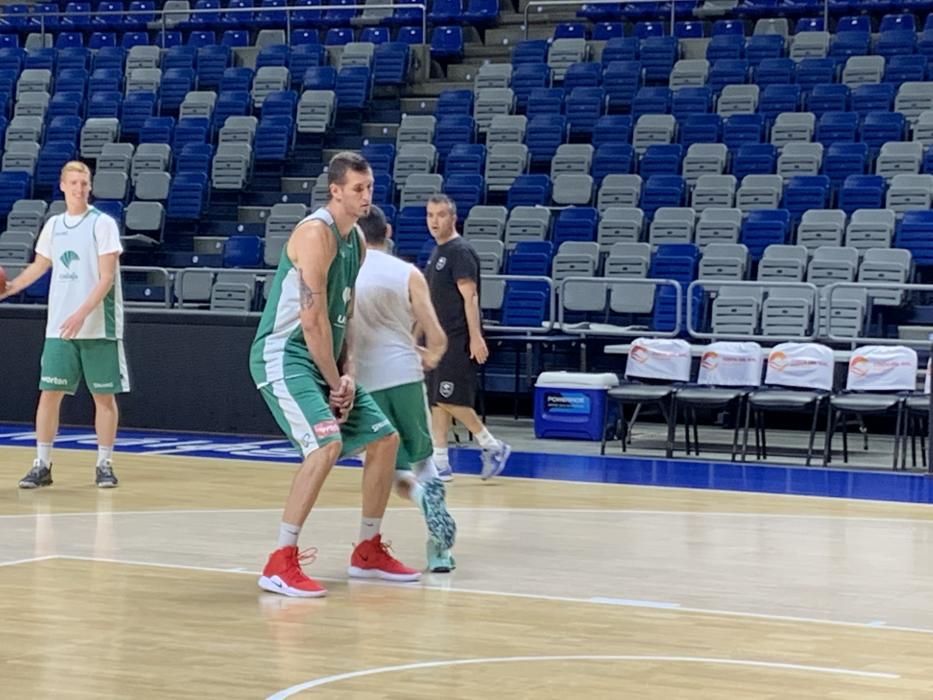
<point>450,262</point>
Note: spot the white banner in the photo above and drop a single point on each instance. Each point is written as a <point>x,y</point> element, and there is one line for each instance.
<point>731,364</point>
<point>804,365</point>
<point>926,382</point>
<point>659,358</point>
<point>882,368</point>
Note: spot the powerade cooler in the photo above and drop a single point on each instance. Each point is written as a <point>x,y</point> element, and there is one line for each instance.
<point>571,405</point>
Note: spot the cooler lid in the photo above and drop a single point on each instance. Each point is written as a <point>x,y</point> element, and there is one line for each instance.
<point>577,380</point>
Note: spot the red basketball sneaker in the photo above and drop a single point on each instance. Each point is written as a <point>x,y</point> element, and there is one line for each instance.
<point>283,574</point>
<point>372,559</point>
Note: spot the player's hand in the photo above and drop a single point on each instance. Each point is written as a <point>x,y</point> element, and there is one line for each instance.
<point>478,350</point>
<point>72,325</point>
<point>429,360</point>
<point>341,398</point>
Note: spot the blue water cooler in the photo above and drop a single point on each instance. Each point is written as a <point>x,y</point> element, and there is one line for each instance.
<point>571,405</point>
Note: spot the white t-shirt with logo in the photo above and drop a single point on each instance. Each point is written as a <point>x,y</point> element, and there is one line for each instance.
<point>74,244</point>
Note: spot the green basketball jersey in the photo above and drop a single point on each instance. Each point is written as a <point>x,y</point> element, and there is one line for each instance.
<point>279,349</point>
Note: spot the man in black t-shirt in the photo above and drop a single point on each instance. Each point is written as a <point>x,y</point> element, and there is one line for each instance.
<point>454,280</point>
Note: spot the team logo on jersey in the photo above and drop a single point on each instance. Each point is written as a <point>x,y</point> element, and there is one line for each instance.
<point>68,257</point>
<point>440,264</point>
<point>347,294</point>
<point>446,389</point>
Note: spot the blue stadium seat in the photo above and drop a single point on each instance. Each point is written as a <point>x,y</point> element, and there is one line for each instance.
<point>612,158</point>
<point>828,97</point>
<point>837,126</point>
<point>529,190</point>
<point>65,104</point>
<point>856,23</point>
<point>763,47</point>
<point>269,16</point>
<point>381,156</point>
<point>612,128</point>
<point>621,81</point>
<point>658,55</point>
<point>194,158</point>
<point>872,98</point>
<point>236,79</point>
<point>644,30</point>
<point>764,227</point>
<point>157,130</point>
<point>813,71</point>
<point>661,160</point>
<point>280,104</point>
<point>584,107</point>
<point>106,104</point>
<point>604,31</point>
<point>896,43</point>
<point>727,71</point>
<point>544,134</point>
<point>482,13</point>
<point>778,98</point>
<point>353,88</point>
<point>338,36</point>
<point>776,71</point>
<point>137,108</point>
<point>243,251</point>
<point>723,46</point>
<point>575,224</point>
<point>565,30</point>
<point>447,43</point>
<point>862,192</point>
<point>52,158</point>
<point>688,101</point>
<point>741,129</point>
<point>545,101</point>
<point>916,235</point>
<point>754,159</point>
<point>689,30</point>
<point>803,192</point>
<point>899,22</point>
<point>854,43</point>
<point>274,55</point>
<point>585,74</point>
<point>301,58</point>
<point>809,24</point>
<point>453,129</point>
<point>675,261</point>
<point>651,100</point>
<point>196,130</point>
<point>176,83</point>
<point>902,69</point>
<point>662,191</point>
<point>105,80</point>
<point>880,127</point>
<point>700,128</point>
<point>64,129</point>
<point>728,27</point>
<point>180,57</point>
<point>202,39</point>
<point>466,189</point>
<point>844,158</point>
<point>525,305</point>
<point>187,195</point>
<point>274,138</point>
<point>69,39</point>
<point>170,39</point>
<point>454,103</point>
<point>131,39</point>
<point>411,231</point>
<point>465,158</point>
<point>527,77</point>
<point>619,49</point>
<point>375,35</point>
<point>212,61</point>
<point>320,78</point>
<point>109,58</point>
<point>230,104</point>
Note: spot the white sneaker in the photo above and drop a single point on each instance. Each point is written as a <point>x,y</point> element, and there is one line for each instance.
<point>494,460</point>
<point>445,474</point>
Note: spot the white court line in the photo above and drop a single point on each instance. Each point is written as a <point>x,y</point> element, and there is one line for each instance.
<point>483,509</point>
<point>28,561</point>
<point>747,663</point>
<point>596,600</point>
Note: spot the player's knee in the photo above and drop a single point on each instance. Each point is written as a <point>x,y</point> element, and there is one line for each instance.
<point>327,454</point>
<point>108,401</point>
<point>391,441</point>
<point>52,396</point>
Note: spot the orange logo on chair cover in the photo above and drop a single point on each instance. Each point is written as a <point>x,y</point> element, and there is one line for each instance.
<point>710,360</point>
<point>639,353</point>
<point>859,365</point>
<point>778,361</point>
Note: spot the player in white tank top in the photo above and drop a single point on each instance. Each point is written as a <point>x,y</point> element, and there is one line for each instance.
<point>84,333</point>
<point>391,297</point>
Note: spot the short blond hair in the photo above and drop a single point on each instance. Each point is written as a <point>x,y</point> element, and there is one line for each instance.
<point>74,166</point>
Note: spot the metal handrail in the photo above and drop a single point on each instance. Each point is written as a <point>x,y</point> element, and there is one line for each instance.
<point>609,282</point>
<point>165,272</point>
<point>573,3</point>
<point>888,286</point>
<point>530,330</point>
<point>161,14</point>
<point>750,284</point>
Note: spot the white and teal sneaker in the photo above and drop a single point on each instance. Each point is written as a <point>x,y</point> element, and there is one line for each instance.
<point>441,525</point>
<point>440,561</point>
<point>494,460</point>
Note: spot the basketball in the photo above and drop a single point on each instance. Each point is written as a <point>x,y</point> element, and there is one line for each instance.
<point>2,280</point>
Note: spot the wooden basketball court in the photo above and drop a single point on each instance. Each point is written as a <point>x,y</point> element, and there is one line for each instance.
<point>563,590</point>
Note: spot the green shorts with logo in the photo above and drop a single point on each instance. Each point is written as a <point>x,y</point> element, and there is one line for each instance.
<point>407,407</point>
<point>299,406</point>
<point>101,362</point>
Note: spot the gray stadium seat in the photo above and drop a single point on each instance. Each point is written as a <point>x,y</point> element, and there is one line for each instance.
<point>485,222</point>
<point>620,225</point>
<point>821,227</point>
<point>504,163</point>
<point>316,111</point>
<point>870,228</point>
<point>717,225</point>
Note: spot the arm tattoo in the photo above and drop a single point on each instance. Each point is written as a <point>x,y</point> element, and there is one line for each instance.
<point>305,293</point>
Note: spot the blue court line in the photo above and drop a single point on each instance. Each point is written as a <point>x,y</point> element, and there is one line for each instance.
<point>723,476</point>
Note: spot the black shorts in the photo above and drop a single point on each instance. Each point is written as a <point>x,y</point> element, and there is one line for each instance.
<point>453,381</point>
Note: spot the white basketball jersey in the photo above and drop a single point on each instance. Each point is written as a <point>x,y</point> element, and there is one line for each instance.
<point>383,344</point>
<point>73,244</point>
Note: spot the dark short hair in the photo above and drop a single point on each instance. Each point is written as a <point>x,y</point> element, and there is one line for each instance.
<point>444,199</point>
<point>344,162</point>
<point>374,226</point>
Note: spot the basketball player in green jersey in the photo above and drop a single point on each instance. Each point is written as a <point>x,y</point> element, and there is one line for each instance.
<point>392,298</point>
<point>302,363</point>
<point>84,332</point>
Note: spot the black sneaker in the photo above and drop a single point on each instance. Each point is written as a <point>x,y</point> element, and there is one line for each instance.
<point>39,475</point>
<point>106,479</point>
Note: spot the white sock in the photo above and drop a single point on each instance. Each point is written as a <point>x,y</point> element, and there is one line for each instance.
<point>441,458</point>
<point>369,528</point>
<point>417,493</point>
<point>486,440</point>
<point>426,470</point>
<point>288,535</point>
<point>44,452</point>
<point>104,453</point>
